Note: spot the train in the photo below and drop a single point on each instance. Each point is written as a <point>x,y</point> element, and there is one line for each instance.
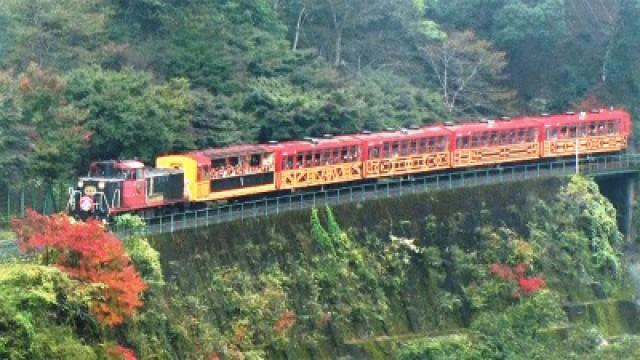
<point>203,177</point>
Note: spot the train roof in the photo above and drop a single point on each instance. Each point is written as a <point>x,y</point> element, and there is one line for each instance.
<point>468,128</point>
<point>404,134</point>
<point>572,118</point>
<point>311,144</point>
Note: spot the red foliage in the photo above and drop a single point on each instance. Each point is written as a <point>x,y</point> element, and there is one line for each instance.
<point>286,320</point>
<point>120,353</point>
<point>516,274</point>
<point>90,254</point>
<point>530,285</point>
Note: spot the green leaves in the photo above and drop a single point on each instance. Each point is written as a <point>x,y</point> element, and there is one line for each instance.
<point>53,33</point>
<point>128,114</point>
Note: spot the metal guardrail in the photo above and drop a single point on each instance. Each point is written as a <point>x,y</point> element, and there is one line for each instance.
<point>591,165</point>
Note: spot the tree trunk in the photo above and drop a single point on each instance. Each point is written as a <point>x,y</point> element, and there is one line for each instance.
<point>338,48</point>
<point>298,27</point>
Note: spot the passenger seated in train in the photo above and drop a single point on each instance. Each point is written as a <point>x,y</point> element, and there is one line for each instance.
<point>240,166</point>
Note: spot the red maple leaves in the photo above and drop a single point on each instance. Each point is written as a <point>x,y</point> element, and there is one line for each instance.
<point>516,274</point>
<point>90,254</point>
<point>120,353</point>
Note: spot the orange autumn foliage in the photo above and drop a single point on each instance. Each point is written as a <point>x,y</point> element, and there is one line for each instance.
<point>286,321</point>
<point>90,254</point>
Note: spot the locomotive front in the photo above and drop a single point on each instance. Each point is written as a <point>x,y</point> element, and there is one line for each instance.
<point>100,192</point>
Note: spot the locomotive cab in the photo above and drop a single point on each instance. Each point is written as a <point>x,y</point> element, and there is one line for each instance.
<point>118,186</point>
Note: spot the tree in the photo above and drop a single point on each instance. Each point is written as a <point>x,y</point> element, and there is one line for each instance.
<point>128,114</point>
<point>53,33</point>
<point>469,73</point>
<point>88,253</point>
<point>214,122</point>
<point>357,34</point>
<point>42,137</point>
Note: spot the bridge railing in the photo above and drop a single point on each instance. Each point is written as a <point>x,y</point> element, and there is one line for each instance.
<point>590,165</point>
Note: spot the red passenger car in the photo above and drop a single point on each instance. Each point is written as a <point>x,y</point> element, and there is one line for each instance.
<point>596,132</point>
<point>406,151</point>
<point>321,161</point>
<point>494,142</point>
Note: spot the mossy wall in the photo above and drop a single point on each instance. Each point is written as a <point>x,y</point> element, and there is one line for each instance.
<point>226,244</point>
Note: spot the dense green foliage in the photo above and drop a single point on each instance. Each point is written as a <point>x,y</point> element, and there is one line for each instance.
<point>88,79</point>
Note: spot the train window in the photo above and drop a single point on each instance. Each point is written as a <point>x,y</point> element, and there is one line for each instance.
<point>353,153</point>
<point>395,148</point>
<point>484,139</point>
<point>344,153</point>
<point>442,144</point>
<point>613,127</point>
<point>475,141</point>
<point>289,163</point>
<point>423,146</point>
<point>519,136</point>
<point>430,145</point>
<point>494,138</point>
<point>531,135</point>
<point>387,150</point>
<point>502,138</point>
<point>256,160</point>
<point>414,147</point>
<point>316,159</point>
<point>572,131</point>
<point>374,153</point>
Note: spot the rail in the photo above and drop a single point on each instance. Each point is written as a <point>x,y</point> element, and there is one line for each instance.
<point>590,165</point>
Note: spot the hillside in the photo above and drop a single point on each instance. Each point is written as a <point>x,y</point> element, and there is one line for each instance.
<point>528,270</point>
<point>97,79</point>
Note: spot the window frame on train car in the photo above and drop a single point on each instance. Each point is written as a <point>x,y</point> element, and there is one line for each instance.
<point>355,153</point>
<point>531,135</point>
<point>374,152</point>
<point>413,147</point>
<point>423,146</point>
<point>443,143</point>
<point>288,162</point>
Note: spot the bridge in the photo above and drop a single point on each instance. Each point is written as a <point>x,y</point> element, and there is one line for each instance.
<point>602,167</point>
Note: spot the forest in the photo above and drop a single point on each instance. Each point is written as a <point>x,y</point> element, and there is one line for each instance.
<point>83,80</point>
<point>527,270</point>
